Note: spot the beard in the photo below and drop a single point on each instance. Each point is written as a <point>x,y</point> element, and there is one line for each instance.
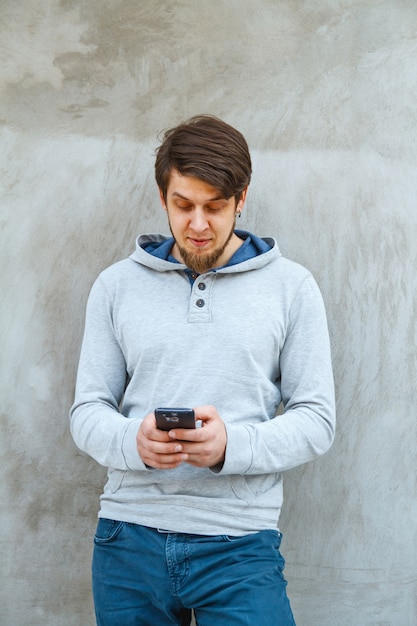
<point>202,262</point>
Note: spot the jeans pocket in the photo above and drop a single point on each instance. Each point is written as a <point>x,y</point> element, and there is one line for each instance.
<point>107,530</point>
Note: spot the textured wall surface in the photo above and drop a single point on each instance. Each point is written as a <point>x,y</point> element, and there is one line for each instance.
<point>325,92</point>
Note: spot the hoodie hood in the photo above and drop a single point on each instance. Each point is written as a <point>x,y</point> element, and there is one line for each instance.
<point>267,250</point>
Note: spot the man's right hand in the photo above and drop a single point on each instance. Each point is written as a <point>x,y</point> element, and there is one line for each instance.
<point>156,448</point>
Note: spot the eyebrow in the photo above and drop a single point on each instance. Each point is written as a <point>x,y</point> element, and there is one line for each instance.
<point>176,194</point>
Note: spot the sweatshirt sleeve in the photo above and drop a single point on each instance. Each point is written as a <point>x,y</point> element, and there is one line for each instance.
<point>97,426</point>
<point>306,428</point>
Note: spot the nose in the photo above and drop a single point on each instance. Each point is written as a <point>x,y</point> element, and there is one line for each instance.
<point>198,222</point>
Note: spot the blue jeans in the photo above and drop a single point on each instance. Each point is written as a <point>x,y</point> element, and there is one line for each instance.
<point>146,577</point>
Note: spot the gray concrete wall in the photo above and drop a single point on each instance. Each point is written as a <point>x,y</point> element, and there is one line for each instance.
<point>326,93</point>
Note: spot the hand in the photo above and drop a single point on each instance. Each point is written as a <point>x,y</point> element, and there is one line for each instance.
<point>205,446</point>
<point>156,448</point>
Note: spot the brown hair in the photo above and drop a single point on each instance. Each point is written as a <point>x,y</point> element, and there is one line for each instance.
<point>209,149</point>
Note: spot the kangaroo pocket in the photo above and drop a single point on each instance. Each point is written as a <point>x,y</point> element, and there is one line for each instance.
<point>258,487</point>
<point>190,486</point>
<point>114,480</point>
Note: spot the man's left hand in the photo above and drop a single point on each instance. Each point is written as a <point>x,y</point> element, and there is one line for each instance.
<point>205,446</point>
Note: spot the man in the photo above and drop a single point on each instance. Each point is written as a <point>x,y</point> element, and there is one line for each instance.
<point>215,319</point>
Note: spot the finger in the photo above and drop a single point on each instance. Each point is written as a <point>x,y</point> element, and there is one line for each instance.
<point>162,448</point>
<point>186,434</point>
<point>165,461</point>
<point>154,434</point>
<point>170,461</point>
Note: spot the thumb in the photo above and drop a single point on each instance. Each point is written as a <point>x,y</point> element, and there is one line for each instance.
<point>206,413</point>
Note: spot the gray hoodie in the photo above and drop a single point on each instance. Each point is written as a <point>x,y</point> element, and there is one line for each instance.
<point>244,338</point>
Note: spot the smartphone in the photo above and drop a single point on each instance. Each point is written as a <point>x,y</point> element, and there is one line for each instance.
<point>174,418</point>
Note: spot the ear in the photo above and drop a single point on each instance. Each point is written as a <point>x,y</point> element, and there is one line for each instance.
<point>242,200</point>
<point>161,197</point>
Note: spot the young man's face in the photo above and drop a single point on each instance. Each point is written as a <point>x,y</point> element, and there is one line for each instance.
<point>202,222</point>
